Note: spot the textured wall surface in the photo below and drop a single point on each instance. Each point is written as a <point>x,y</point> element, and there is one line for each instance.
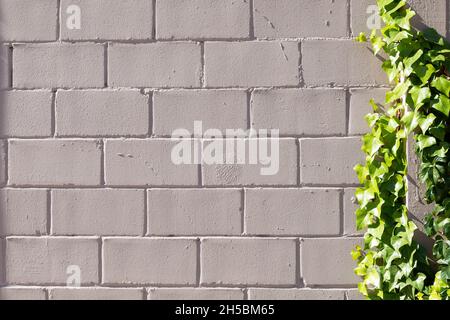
<point>91,91</point>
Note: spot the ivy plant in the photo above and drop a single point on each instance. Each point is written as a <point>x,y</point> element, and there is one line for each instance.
<point>391,263</point>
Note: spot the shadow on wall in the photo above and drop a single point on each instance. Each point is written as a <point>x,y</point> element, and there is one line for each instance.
<point>431,14</point>
<point>417,206</point>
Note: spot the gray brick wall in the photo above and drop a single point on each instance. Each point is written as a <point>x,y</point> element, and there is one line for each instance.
<point>90,195</point>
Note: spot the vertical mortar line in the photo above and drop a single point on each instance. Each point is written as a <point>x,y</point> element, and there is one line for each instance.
<point>46,294</point>
<point>53,114</point>
<point>301,80</point>
<point>151,112</point>
<point>243,213</point>
<point>154,19</point>
<point>298,270</point>
<point>245,293</point>
<point>348,97</point>
<point>251,21</point>
<point>49,212</point>
<point>250,109</point>
<point>346,295</point>
<point>349,19</point>
<point>58,20</point>
<point>102,162</point>
<point>100,260</point>
<point>341,212</point>
<point>199,262</point>
<point>202,62</point>
<point>10,66</point>
<point>299,165</point>
<point>105,65</point>
<point>146,227</point>
<point>7,165</point>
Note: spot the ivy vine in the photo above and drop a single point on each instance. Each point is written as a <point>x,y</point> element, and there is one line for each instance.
<point>391,263</point>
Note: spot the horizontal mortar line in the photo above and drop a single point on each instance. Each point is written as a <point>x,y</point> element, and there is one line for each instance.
<point>49,285</point>
<point>107,188</point>
<point>303,288</point>
<point>196,287</point>
<point>176,89</point>
<point>205,88</point>
<point>104,286</point>
<point>148,287</point>
<point>176,139</point>
<point>188,286</point>
<point>185,237</point>
<point>332,286</point>
<point>212,187</point>
<point>176,40</point>
<point>96,286</point>
<point>244,286</point>
<point>258,136</point>
<point>191,88</point>
<point>145,285</point>
<point>349,185</point>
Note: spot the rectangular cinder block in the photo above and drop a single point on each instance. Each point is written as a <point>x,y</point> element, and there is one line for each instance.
<point>292,212</point>
<point>341,63</point>
<point>295,294</point>
<point>263,164</point>
<point>102,113</point>
<point>26,113</point>
<point>194,212</point>
<point>22,293</point>
<point>54,162</point>
<point>330,161</point>
<point>297,112</point>
<point>23,212</point>
<point>58,65</point>
<point>96,293</point>
<point>360,107</point>
<point>147,162</point>
<point>159,65</point>
<point>98,212</point>
<point>153,261</point>
<point>261,261</point>
<point>194,294</point>
<point>5,66</point>
<point>44,260</point>
<point>107,20</point>
<point>28,20</point>
<point>328,262</point>
<point>252,64</point>
<point>216,109</point>
<point>300,18</point>
<point>202,19</point>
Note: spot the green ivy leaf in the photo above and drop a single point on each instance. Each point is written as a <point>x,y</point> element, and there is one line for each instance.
<point>426,122</point>
<point>361,37</point>
<point>424,141</point>
<point>442,84</point>
<point>419,95</point>
<point>442,105</point>
<point>424,72</point>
